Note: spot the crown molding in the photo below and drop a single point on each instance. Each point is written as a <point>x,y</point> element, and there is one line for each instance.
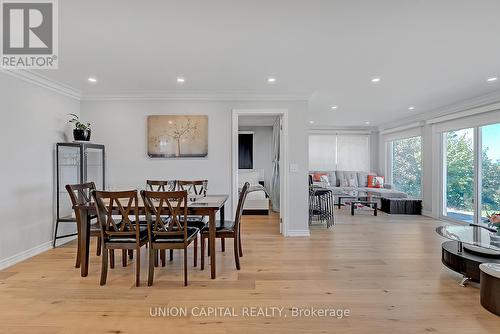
<point>58,87</point>
<point>402,128</point>
<point>44,82</point>
<point>461,108</point>
<point>342,130</point>
<point>195,96</point>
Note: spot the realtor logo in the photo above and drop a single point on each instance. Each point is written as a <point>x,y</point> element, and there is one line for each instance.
<point>29,34</point>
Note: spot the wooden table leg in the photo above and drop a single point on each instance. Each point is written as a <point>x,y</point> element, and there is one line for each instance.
<point>84,246</point>
<point>211,242</point>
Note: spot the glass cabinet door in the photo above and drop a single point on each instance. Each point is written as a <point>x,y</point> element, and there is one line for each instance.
<point>69,171</point>
<point>94,172</point>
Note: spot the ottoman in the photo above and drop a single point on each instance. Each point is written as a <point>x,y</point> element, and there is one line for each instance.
<point>401,206</point>
<point>490,287</point>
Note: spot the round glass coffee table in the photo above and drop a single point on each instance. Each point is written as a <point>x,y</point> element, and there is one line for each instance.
<point>469,246</point>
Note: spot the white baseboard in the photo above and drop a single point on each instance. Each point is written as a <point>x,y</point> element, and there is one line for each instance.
<point>427,213</point>
<point>24,255</point>
<point>298,233</point>
<point>16,258</point>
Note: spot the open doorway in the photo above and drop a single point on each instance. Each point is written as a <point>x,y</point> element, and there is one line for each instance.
<point>259,157</point>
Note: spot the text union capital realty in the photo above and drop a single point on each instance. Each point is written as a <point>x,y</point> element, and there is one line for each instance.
<point>247,311</point>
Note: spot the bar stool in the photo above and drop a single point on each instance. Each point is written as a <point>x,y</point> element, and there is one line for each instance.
<point>321,204</point>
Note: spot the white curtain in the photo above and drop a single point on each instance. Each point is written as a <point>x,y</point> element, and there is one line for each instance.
<point>275,180</point>
<point>329,152</point>
<point>353,152</point>
<point>322,152</point>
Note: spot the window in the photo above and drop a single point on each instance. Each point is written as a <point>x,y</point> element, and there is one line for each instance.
<point>322,152</point>
<point>490,173</point>
<point>458,182</point>
<point>471,173</point>
<point>406,165</point>
<point>329,152</point>
<point>353,153</point>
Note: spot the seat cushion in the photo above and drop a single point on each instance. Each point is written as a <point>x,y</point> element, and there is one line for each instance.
<point>143,235</point>
<point>386,193</point>
<point>228,226</point>
<point>191,234</point>
<point>196,221</point>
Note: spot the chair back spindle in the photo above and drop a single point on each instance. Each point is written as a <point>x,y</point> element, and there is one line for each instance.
<point>126,203</point>
<point>166,213</point>
<point>197,187</point>
<point>160,185</point>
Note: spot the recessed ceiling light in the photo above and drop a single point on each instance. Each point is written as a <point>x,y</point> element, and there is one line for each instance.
<point>333,107</point>
<point>311,122</point>
<point>411,108</point>
<point>271,80</point>
<point>181,80</point>
<point>492,79</point>
<point>367,122</point>
<point>375,80</point>
<point>92,79</point>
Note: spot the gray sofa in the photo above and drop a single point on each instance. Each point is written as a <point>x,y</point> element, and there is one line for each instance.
<point>339,184</point>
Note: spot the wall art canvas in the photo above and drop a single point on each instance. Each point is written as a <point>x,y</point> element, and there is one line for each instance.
<point>178,136</point>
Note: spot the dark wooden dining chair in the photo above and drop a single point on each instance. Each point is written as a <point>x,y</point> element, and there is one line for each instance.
<point>198,187</point>
<point>228,229</point>
<point>174,234</point>
<point>80,194</point>
<point>122,233</point>
<point>161,185</point>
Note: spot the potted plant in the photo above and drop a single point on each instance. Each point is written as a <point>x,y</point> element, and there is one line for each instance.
<point>82,131</point>
<point>494,221</point>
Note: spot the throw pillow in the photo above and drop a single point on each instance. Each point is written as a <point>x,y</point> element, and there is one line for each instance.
<point>353,183</point>
<point>371,181</point>
<point>317,176</point>
<point>324,179</point>
<point>379,182</point>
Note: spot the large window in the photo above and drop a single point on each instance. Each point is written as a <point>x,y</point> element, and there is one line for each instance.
<point>490,174</point>
<point>459,174</point>
<point>471,173</point>
<point>339,152</point>
<point>406,165</point>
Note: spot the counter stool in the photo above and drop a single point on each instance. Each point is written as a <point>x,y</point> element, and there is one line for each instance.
<point>490,287</point>
<point>321,204</point>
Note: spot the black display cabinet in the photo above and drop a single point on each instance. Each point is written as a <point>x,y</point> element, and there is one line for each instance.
<point>76,162</point>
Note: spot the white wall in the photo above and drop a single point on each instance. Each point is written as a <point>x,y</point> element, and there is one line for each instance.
<point>262,150</point>
<point>121,126</point>
<point>33,119</point>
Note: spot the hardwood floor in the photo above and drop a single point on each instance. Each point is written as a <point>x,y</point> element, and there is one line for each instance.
<point>386,270</point>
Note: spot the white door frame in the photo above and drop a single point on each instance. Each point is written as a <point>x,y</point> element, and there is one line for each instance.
<point>283,113</point>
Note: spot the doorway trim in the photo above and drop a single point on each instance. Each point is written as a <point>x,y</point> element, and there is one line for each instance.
<point>283,114</point>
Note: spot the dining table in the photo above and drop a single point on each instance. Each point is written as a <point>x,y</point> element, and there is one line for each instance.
<point>207,206</point>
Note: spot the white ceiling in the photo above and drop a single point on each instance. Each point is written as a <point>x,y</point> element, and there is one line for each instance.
<point>429,53</point>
